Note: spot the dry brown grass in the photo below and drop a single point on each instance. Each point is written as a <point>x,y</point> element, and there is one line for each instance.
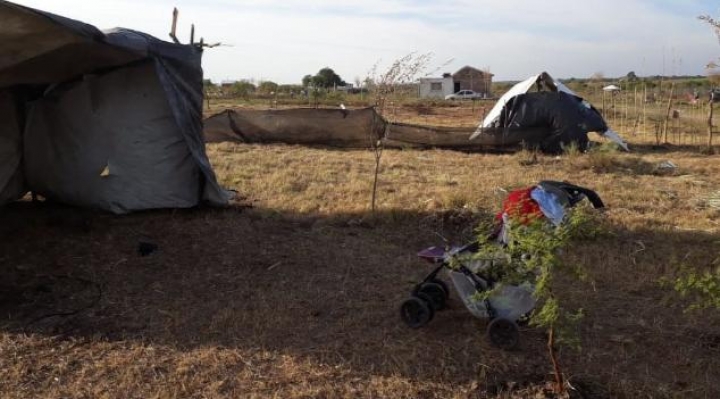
<point>297,296</point>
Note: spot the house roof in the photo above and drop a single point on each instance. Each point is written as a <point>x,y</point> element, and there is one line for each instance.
<point>474,69</point>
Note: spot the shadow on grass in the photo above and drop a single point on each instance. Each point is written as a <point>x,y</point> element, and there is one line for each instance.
<point>327,289</point>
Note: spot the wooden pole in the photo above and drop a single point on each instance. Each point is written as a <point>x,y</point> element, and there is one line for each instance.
<point>644,115</point>
<point>635,109</point>
<point>173,29</point>
<point>625,118</point>
<point>710,124</point>
<point>667,115</point>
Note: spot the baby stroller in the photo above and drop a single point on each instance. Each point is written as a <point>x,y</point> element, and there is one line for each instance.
<point>508,304</point>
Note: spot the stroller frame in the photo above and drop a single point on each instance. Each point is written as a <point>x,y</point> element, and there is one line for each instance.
<point>431,294</point>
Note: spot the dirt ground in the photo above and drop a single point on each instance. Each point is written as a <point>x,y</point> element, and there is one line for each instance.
<point>293,291</point>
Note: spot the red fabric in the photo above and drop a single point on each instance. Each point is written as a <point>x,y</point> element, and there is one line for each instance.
<point>520,206</point>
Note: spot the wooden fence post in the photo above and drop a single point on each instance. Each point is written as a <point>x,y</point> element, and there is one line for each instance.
<point>710,124</point>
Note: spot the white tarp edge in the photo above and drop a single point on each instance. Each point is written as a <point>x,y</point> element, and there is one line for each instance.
<point>520,88</point>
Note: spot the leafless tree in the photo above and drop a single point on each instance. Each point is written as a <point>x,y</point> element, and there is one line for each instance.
<point>384,87</point>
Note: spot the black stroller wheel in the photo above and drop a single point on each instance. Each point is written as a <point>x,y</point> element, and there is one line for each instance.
<point>443,285</point>
<point>416,312</point>
<point>435,293</point>
<point>503,333</point>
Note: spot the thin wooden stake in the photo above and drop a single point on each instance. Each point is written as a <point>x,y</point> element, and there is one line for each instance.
<point>710,124</point>
<point>635,109</point>
<point>174,26</point>
<point>667,115</point>
<point>644,115</point>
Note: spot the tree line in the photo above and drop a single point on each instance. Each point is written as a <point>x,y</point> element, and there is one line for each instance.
<point>325,78</point>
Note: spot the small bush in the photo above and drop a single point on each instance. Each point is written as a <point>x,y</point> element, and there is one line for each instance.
<point>533,255</point>
<point>701,287</point>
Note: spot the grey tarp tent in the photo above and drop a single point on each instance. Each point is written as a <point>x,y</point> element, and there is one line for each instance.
<point>110,120</point>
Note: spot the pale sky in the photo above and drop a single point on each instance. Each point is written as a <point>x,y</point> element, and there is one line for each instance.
<point>283,40</point>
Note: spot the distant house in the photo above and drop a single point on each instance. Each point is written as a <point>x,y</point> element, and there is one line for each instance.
<point>466,78</point>
<point>436,87</point>
<point>347,88</point>
<point>469,78</point>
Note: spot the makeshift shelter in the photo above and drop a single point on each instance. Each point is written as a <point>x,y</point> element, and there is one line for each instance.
<point>549,118</point>
<point>109,120</point>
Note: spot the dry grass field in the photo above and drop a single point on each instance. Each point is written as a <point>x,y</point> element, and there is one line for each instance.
<point>293,292</point>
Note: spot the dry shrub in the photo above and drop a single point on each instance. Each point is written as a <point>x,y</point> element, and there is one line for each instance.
<point>527,157</point>
<point>612,162</point>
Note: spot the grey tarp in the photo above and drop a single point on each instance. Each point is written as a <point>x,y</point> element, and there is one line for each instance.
<point>77,150</point>
<point>43,57</point>
<point>342,128</point>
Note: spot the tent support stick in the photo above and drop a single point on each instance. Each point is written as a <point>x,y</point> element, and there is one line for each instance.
<point>710,125</point>
<point>644,116</point>
<point>667,115</point>
<point>174,26</point>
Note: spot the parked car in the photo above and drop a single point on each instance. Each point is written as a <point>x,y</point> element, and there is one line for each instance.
<point>464,95</point>
<point>714,95</point>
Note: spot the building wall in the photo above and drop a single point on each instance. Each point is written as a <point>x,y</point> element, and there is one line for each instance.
<point>436,87</point>
<point>475,80</point>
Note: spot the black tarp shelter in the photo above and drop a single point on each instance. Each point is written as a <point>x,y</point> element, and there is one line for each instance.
<point>543,113</point>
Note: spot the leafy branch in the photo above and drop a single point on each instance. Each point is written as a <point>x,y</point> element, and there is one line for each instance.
<point>533,255</point>
<point>701,287</point>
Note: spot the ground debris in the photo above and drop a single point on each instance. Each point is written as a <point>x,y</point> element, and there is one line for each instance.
<point>665,168</point>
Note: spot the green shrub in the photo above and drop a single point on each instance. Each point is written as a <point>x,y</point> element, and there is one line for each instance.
<point>533,254</point>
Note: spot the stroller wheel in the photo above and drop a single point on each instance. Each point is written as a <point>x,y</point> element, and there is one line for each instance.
<point>416,312</point>
<point>435,293</point>
<point>503,333</point>
<point>443,285</point>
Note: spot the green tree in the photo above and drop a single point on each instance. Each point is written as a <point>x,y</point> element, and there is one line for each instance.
<point>325,78</point>
<point>242,89</point>
<point>307,80</point>
<point>267,87</point>
<point>287,89</point>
